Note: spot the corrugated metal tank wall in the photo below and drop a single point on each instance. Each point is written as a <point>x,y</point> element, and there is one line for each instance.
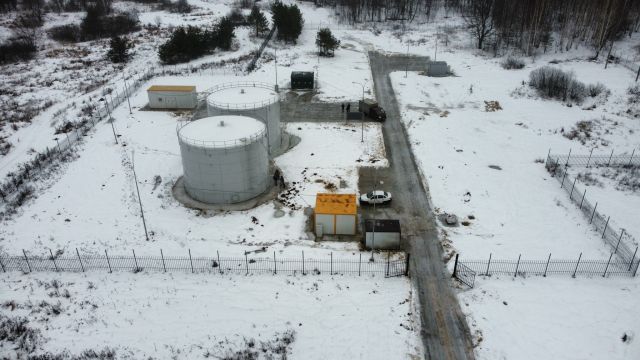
<point>225,175</point>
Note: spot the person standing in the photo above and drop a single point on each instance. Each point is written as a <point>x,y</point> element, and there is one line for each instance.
<point>342,107</point>
<point>276,177</point>
<point>348,107</point>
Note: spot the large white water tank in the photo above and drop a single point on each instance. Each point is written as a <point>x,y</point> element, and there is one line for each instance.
<point>225,158</point>
<point>254,99</point>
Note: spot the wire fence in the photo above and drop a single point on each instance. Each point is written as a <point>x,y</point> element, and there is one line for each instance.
<point>242,265</point>
<point>622,244</point>
<point>597,160</point>
<point>467,270</point>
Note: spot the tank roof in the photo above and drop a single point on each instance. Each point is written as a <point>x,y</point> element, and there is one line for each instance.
<point>224,129</point>
<point>242,95</point>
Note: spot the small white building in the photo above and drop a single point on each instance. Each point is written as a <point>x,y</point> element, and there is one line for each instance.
<point>335,214</point>
<point>385,235</point>
<point>172,97</point>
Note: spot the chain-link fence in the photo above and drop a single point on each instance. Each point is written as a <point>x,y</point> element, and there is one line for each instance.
<point>622,244</point>
<point>250,263</point>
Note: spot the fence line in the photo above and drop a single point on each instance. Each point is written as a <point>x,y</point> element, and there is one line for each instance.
<point>623,245</point>
<point>243,265</point>
<point>467,270</point>
<point>598,160</point>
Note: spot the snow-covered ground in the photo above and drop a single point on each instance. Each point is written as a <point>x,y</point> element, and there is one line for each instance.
<point>554,318</point>
<point>486,163</point>
<point>187,316</point>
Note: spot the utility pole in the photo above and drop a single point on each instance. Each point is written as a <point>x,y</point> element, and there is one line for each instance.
<point>362,123</point>
<point>406,69</point>
<point>135,178</point>
<point>275,52</point>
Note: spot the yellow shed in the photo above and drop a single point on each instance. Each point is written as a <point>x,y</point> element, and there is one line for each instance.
<point>336,214</point>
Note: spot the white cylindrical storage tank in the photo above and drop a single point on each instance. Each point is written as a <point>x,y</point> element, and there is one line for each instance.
<point>224,158</point>
<point>255,99</point>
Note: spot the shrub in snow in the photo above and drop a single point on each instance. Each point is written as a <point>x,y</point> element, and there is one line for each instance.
<point>65,33</point>
<point>557,84</point>
<point>512,62</point>
<point>16,331</point>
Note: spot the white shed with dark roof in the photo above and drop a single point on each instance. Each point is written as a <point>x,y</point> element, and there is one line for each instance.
<point>385,235</point>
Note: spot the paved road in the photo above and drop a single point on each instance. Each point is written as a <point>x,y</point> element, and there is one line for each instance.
<point>445,333</point>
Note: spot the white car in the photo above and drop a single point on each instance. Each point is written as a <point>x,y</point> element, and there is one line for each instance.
<point>375,197</point>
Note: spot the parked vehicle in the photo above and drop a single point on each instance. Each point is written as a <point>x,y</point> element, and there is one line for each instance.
<point>371,109</point>
<point>375,197</point>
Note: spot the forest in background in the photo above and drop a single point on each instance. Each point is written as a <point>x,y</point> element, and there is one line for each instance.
<point>526,25</point>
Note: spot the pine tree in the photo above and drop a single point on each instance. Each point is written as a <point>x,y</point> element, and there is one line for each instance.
<point>258,20</point>
<point>119,49</point>
<point>288,20</point>
<point>224,33</point>
<point>326,42</point>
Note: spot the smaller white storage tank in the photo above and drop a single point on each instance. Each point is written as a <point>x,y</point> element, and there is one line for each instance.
<point>255,99</point>
<point>385,235</point>
<point>172,97</point>
<point>224,158</point>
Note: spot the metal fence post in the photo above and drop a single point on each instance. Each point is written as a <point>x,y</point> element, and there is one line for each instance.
<point>246,262</point>
<point>388,262</point>
<point>163,265</point>
<point>583,195</point>
<point>27,260</point>
<point>303,263</point>
<point>605,227</point>
<point>53,260</point>
<point>568,156</point>
<point>331,261</point>
<point>631,158</point>
<point>517,266</point>
<point>563,177</point>
<point>191,261</point>
<point>455,265</point>
<point>275,270</point>
<point>219,263</point>
<point>79,259</point>
<point>135,260</point>
<point>572,187</point>
<point>488,264</point>
<point>577,264</point>
<point>632,258</point>
<point>406,265</point>
<point>610,156</point>
<point>359,264</point>
<point>547,266</point>
<point>607,267</point>
<point>619,239</point>
<point>593,213</point>
<point>108,262</point>
<point>588,161</point>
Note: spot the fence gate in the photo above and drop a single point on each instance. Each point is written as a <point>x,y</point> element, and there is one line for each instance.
<point>464,273</point>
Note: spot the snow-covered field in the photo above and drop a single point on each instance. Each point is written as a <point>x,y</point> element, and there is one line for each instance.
<point>554,318</point>
<point>486,163</point>
<point>193,316</point>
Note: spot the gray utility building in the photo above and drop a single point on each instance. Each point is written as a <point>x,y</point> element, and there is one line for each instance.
<point>172,97</point>
<point>224,158</point>
<point>437,68</point>
<point>302,80</point>
<point>258,100</point>
<point>385,235</point>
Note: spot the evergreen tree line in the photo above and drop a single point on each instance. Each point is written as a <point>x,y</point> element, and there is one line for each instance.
<point>191,42</point>
<point>522,24</point>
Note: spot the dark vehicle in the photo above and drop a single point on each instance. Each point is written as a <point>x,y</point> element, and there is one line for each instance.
<point>372,110</point>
